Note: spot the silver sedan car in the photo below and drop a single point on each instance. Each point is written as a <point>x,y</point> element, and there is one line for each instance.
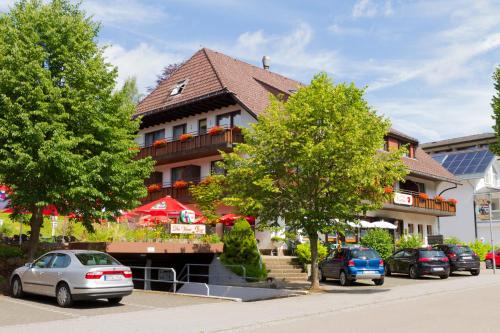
<point>71,275</point>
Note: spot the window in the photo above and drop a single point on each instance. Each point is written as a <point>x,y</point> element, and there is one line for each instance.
<point>202,126</point>
<point>215,169</point>
<point>177,174</point>
<point>44,261</point>
<point>178,88</point>
<point>410,228</point>
<point>97,259</point>
<point>410,185</point>
<point>178,131</point>
<point>61,260</point>
<point>429,230</point>
<point>365,254</point>
<point>151,137</point>
<point>386,144</point>
<point>399,254</point>
<point>420,229</point>
<point>407,146</point>
<point>229,120</point>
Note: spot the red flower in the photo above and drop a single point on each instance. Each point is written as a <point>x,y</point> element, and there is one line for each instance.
<point>180,184</point>
<point>423,196</point>
<point>185,137</point>
<point>453,202</point>
<point>388,189</point>
<point>154,188</point>
<point>438,198</point>
<point>160,143</point>
<point>216,130</point>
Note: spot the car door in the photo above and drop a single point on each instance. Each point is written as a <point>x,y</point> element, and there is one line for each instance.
<point>407,260</point>
<point>337,263</point>
<point>394,262</point>
<point>33,277</point>
<point>56,272</point>
<point>326,266</point>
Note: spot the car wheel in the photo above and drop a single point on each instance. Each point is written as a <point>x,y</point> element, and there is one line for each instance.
<point>489,264</point>
<point>63,296</point>
<point>115,300</point>
<point>414,272</point>
<point>16,287</point>
<point>322,278</point>
<point>344,281</point>
<point>388,270</point>
<point>444,276</point>
<point>475,272</point>
<point>378,282</point>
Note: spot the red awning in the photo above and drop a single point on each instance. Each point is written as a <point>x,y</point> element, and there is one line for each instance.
<point>166,206</point>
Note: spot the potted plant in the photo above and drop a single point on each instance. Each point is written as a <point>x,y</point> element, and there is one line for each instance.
<point>438,199</point>
<point>277,242</point>
<point>180,184</point>
<point>422,198</point>
<point>185,137</point>
<point>160,143</point>
<point>154,188</point>
<point>452,202</point>
<point>216,130</point>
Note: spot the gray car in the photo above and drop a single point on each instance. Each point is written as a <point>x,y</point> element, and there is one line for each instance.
<point>71,275</point>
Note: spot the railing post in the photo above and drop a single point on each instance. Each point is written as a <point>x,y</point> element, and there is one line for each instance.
<point>188,273</point>
<point>175,280</point>
<point>147,275</point>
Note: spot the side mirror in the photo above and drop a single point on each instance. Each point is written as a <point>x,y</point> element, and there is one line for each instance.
<point>29,264</point>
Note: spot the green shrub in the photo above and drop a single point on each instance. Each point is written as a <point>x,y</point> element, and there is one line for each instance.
<point>240,248</point>
<point>453,240</point>
<point>303,252</point>
<point>481,249</point>
<point>211,239</point>
<point>409,242</point>
<point>380,240</point>
<point>10,252</point>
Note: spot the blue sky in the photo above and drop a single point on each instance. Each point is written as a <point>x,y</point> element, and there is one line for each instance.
<point>427,65</point>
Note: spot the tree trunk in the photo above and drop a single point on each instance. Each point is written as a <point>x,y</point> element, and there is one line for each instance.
<point>313,239</point>
<point>36,223</point>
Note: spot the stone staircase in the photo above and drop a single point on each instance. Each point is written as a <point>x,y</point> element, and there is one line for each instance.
<point>284,268</point>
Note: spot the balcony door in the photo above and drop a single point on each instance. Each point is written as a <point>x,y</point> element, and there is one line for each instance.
<point>151,137</point>
<point>178,131</point>
<point>189,173</point>
<point>229,120</point>
<point>202,126</point>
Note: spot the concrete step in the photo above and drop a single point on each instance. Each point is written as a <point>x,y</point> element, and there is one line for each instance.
<point>286,271</point>
<point>289,277</point>
<point>273,266</point>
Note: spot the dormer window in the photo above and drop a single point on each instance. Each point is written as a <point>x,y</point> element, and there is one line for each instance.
<point>178,88</point>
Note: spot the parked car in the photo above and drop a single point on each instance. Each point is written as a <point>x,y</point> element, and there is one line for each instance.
<point>461,258</point>
<point>351,264</point>
<point>418,262</point>
<point>489,259</point>
<point>74,275</point>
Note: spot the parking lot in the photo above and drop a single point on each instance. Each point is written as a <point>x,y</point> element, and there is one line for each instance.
<point>33,309</point>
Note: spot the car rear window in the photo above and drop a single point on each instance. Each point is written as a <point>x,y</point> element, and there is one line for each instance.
<point>364,254</point>
<point>461,250</point>
<point>96,259</point>
<point>431,253</point>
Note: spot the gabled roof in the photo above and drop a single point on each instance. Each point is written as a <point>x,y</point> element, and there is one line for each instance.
<point>395,132</point>
<point>208,72</point>
<point>462,139</point>
<point>425,166</point>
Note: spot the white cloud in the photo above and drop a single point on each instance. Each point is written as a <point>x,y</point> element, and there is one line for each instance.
<point>252,40</point>
<point>143,62</point>
<point>338,29</point>
<point>369,8</point>
<point>123,11</point>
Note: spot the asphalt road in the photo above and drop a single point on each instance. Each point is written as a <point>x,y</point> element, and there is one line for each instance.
<point>461,303</point>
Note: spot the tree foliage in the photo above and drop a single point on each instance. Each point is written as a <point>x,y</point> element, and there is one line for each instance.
<point>313,159</point>
<point>166,72</point>
<point>303,253</point>
<point>208,195</point>
<point>67,137</point>
<point>380,240</point>
<point>409,242</point>
<point>240,248</point>
<point>495,104</point>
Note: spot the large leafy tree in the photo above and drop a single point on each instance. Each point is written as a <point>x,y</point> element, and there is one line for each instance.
<point>314,160</point>
<point>66,135</point>
<point>495,104</point>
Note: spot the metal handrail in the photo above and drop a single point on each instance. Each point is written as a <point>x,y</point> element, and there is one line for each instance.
<point>148,280</point>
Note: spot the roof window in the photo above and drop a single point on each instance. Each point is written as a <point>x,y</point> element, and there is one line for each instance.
<point>178,88</point>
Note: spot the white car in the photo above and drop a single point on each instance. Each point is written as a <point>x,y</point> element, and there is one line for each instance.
<point>71,275</point>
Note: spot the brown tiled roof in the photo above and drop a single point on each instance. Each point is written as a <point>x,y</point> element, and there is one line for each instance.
<point>395,132</point>
<point>208,71</point>
<point>424,165</point>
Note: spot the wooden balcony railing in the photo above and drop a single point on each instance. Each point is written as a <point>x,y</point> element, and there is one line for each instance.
<point>199,145</point>
<point>428,206</point>
<point>180,194</point>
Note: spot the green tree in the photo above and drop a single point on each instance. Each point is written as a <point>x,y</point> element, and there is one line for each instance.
<point>495,104</point>
<point>66,133</point>
<point>313,160</point>
<point>380,240</point>
<point>240,248</point>
<point>208,194</point>
<point>409,242</point>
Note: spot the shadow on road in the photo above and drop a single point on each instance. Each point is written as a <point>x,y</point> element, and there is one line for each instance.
<point>46,300</point>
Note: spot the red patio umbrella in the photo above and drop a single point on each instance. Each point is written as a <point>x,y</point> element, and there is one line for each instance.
<point>229,219</point>
<point>49,210</point>
<point>166,206</point>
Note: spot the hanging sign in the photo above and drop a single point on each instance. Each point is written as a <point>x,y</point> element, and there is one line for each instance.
<point>195,229</point>
<point>482,209</point>
<point>403,199</point>
<point>187,216</point>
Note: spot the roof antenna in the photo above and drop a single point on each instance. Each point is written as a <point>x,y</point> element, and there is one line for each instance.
<point>265,62</point>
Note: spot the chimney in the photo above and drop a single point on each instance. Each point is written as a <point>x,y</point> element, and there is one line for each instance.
<point>265,62</point>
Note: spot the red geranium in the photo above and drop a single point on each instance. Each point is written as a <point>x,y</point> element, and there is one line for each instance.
<point>216,130</point>
<point>154,188</point>
<point>160,143</point>
<point>180,184</point>
<point>185,137</point>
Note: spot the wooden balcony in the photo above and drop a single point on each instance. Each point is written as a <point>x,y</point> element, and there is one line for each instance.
<point>422,206</point>
<point>180,194</point>
<point>199,145</point>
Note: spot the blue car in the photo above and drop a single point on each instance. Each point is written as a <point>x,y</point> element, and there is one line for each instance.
<point>353,263</point>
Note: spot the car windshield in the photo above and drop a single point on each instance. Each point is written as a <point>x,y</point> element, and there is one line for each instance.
<point>461,250</point>
<point>96,259</point>
<point>431,253</point>
<point>364,254</point>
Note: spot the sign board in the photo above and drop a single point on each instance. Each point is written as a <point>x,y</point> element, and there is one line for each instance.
<point>194,229</point>
<point>435,239</point>
<point>187,216</point>
<point>482,209</point>
<point>151,249</point>
<point>350,237</point>
<point>403,199</point>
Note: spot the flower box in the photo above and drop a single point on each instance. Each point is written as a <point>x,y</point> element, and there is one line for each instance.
<point>185,137</point>
<point>236,129</point>
<point>438,199</point>
<point>216,130</point>
<point>160,143</point>
<point>180,184</point>
<point>423,196</point>
<point>388,189</point>
<point>154,188</point>
<point>453,202</point>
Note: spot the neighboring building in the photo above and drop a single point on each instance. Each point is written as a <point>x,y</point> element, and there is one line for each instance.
<point>470,160</point>
<point>212,90</point>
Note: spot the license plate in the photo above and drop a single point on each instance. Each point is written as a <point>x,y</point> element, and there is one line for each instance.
<point>467,258</point>
<point>369,272</point>
<point>112,277</point>
<point>438,269</point>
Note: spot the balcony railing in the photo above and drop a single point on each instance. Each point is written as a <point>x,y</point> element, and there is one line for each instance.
<point>181,194</point>
<point>428,206</point>
<point>197,146</point>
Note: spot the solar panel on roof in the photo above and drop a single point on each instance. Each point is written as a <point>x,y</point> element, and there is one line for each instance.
<point>463,163</point>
